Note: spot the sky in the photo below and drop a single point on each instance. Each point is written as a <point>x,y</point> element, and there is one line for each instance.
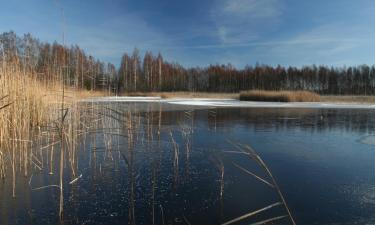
<point>204,32</point>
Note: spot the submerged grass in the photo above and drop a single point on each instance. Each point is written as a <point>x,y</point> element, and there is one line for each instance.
<point>279,96</point>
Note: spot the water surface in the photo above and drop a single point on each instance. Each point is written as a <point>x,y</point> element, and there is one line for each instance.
<point>160,163</point>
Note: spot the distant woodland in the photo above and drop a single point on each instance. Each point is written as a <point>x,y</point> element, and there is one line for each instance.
<point>152,73</point>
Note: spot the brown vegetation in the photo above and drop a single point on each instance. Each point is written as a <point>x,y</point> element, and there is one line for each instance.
<point>31,113</point>
<point>183,94</point>
<point>279,96</point>
<point>348,99</point>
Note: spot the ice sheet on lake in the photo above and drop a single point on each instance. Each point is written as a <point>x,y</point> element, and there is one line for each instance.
<point>234,103</point>
<point>248,104</point>
<point>123,99</point>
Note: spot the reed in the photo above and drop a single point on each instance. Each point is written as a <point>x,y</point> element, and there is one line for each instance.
<point>39,119</point>
<point>176,157</point>
<point>250,214</point>
<point>279,96</point>
<point>23,107</point>
<point>251,153</point>
<point>29,106</point>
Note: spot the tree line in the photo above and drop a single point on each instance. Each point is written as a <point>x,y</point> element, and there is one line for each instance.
<point>153,73</point>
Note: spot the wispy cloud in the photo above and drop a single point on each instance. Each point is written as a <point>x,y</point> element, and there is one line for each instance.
<point>332,44</point>
<point>328,43</point>
<point>239,21</point>
<point>115,36</point>
<point>251,9</point>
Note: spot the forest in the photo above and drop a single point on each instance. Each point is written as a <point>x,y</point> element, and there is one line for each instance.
<point>151,73</point>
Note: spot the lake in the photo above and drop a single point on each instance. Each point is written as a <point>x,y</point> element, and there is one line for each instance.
<point>162,163</point>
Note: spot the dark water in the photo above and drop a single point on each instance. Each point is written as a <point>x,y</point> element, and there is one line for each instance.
<point>131,172</point>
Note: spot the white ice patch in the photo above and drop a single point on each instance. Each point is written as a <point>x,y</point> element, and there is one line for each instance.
<point>369,196</point>
<point>369,140</point>
<point>248,104</point>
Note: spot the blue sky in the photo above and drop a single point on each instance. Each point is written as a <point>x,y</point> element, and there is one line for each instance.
<point>198,32</point>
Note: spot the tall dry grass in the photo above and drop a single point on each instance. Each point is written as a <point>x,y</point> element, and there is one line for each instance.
<point>38,116</point>
<point>279,96</point>
<point>27,102</point>
<point>30,115</point>
<point>23,107</point>
<point>183,94</point>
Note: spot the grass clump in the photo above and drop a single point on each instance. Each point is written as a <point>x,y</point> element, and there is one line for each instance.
<point>279,96</point>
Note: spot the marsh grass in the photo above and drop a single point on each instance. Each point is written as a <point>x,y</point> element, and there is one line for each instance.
<point>32,109</point>
<point>40,122</point>
<point>279,96</point>
<point>23,108</point>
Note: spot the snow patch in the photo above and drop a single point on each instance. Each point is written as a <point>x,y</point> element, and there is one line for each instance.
<point>248,104</point>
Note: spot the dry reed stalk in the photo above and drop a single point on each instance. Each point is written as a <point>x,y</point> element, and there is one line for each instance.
<point>221,180</point>
<point>254,156</point>
<point>270,220</point>
<point>264,165</point>
<point>279,96</point>
<point>159,121</point>
<point>213,114</point>
<point>186,134</point>
<point>254,175</point>
<point>176,156</point>
<point>52,154</point>
<point>130,129</point>
<point>162,214</point>
<point>247,215</point>
<point>220,166</point>
<point>62,131</point>
<point>186,220</point>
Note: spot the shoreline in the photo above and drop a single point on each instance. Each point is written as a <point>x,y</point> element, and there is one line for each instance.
<point>218,95</point>
<point>225,102</point>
